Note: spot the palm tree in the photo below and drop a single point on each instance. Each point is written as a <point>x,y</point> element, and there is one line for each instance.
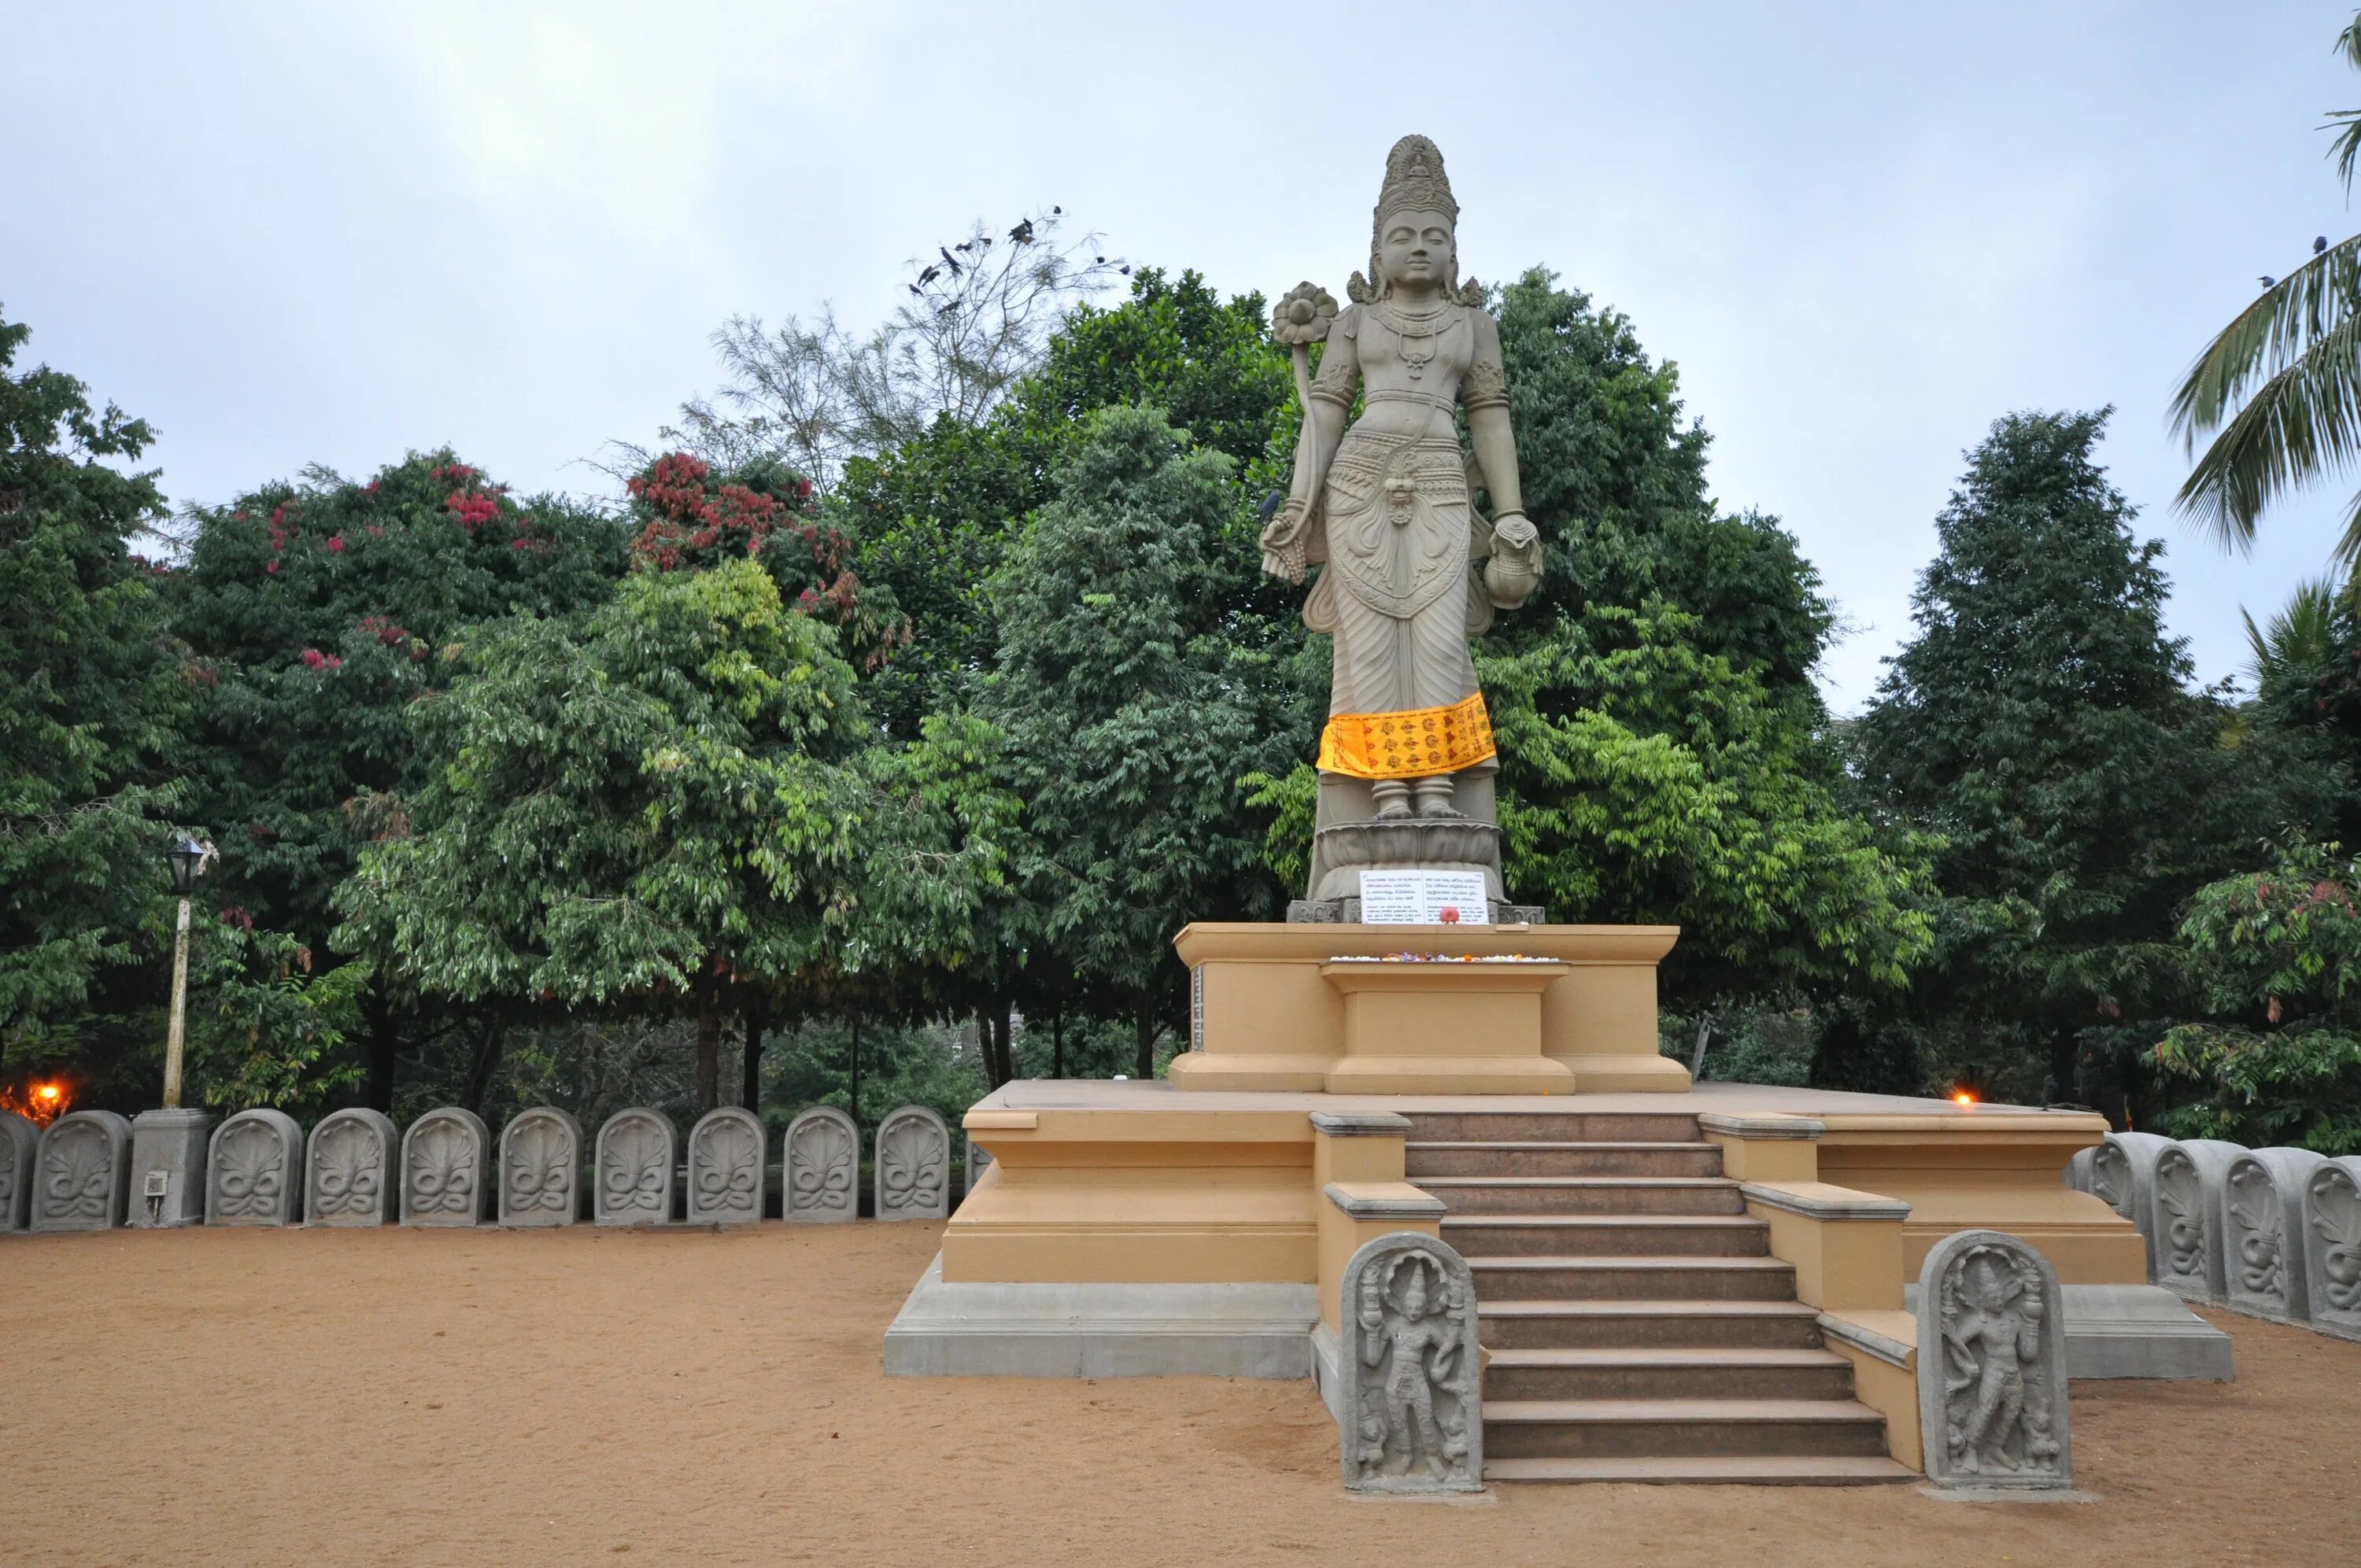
<point>2280,390</point>
<point>2298,642</point>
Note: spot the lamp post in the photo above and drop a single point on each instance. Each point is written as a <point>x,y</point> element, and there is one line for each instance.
<point>187,857</point>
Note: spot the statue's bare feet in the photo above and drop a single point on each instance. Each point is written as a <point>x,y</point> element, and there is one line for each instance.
<point>1434,804</point>
<point>1393,797</point>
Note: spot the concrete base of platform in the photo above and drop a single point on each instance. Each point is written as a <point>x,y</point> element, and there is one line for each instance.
<point>995,1329</point>
<point>2135,1331</point>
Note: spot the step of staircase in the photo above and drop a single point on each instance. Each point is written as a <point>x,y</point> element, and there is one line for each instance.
<point>1615,1235</point>
<point>1639,1325</point>
<point>1627,1195</point>
<point>1681,1428</point>
<point>1665,1372</point>
<point>1552,1126</point>
<point>1744,1470</point>
<point>1640,1157</point>
<point>1630,1279</point>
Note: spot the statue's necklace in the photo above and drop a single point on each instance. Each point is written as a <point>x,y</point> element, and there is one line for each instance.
<point>1416,332</point>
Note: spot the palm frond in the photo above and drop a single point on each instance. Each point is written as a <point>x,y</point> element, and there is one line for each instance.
<point>2300,638</point>
<point>2291,367</point>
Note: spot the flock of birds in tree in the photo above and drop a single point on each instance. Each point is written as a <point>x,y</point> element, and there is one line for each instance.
<point>1021,235</point>
<point>2319,244</point>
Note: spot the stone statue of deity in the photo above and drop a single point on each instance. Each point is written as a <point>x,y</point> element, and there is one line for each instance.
<point>1410,569</point>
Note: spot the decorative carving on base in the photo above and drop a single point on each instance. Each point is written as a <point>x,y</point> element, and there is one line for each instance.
<point>82,1177</point>
<point>1991,1366</point>
<point>445,1168</point>
<point>2262,1233</point>
<point>20,1140</point>
<point>540,1168</point>
<point>1450,844</point>
<point>2332,1245</point>
<point>820,1183</point>
<point>349,1176</point>
<point>253,1169</point>
<point>914,1165</point>
<point>1409,1372</point>
<point>2188,1181</point>
<point>725,1167</point>
<point>631,1171</point>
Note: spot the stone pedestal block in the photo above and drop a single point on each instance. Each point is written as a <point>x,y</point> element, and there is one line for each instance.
<point>349,1170</point>
<point>1409,1371</point>
<point>821,1182</point>
<point>446,1168</point>
<point>1992,1367</point>
<point>2332,1245</point>
<point>2262,1233</point>
<point>82,1176</point>
<point>914,1165</point>
<point>168,1168</point>
<point>725,1167</point>
<point>631,1175</point>
<point>1446,1027</point>
<point>2190,1182</point>
<point>20,1138</point>
<point>541,1169</point>
<point>254,1172</point>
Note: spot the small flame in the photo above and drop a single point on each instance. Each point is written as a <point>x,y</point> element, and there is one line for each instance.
<point>1963,1098</point>
<point>40,1102</point>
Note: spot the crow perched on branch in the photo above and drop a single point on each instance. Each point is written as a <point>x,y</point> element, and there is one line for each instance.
<point>1023,233</point>
<point>948,259</point>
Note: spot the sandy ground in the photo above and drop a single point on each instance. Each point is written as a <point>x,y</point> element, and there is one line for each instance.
<point>431,1398</point>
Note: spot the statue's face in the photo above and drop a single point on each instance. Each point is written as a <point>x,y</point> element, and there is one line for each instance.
<point>1416,248</point>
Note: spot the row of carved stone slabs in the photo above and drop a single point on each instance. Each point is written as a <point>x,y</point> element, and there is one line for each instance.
<point>261,1170</point>
<point>2272,1233</point>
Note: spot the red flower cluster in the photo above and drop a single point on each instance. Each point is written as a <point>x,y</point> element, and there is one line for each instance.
<point>336,545</point>
<point>316,660</point>
<point>697,521</point>
<point>393,636</point>
<point>453,471</point>
<point>237,916</point>
<point>472,508</point>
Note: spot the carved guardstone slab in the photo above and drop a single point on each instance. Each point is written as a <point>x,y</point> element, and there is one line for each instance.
<point>541,1169</point>
<point>167,1169</point>
<point>447,1163</point>
<point>1992,1367</point>
<point>725,1167</point>
<point>349,1175</point>
<point>631,1177</point>
<point>2122,1176</point>
<point>20,1141</point>
<point>254,1171</point>
<point>2262,1233</point>
<point>975,1161</point>
<point>2332,1247</point>
<point>914,1165</point>
<point>82,1177</point>
<point>820,1183</point>
<point>1407,1369</point>
<point>2191,1181</point>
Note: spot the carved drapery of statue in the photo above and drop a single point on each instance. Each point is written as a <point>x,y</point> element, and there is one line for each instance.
<point>1410,568</point>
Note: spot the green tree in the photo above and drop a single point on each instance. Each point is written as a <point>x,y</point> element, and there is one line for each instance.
<point>92,691</point>
<point>2278,389</point>
<point>1131,711</point>
<point>2276,954</point>
<point>2041,726</point>
<point>637,807</point>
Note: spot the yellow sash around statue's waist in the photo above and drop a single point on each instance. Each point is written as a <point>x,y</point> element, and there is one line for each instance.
<point>1414,744</point>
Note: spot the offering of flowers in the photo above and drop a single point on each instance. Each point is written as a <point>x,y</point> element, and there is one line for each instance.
<point>1437,958</point>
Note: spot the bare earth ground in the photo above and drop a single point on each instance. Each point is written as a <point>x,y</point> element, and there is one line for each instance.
<point>579,1396</point>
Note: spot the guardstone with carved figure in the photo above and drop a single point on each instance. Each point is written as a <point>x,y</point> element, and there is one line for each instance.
<point>1991,1366</point>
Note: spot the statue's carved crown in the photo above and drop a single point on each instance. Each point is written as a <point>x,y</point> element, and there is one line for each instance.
<point>1415,181</point>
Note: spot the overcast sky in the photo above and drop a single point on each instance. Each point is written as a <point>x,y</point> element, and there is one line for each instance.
<point>329,233</point>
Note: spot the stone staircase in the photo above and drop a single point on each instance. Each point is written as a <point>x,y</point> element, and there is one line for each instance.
<point>1638,1327</point>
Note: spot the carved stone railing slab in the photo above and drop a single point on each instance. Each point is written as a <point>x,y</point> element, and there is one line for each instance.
<point>2332,1245</point>
<point>725,1167</point>
<point>1991,1366</point>
<point>1409,1373</point>
<point>2077,1169</point>
<point>2122,1176</point>
<point>20,1141</point>
<point>820,1183</point>
<point>912,1173</point>
<point>2186,1241</point>
<point>2262,1233</point>
<point>253,1169</point>
<point>541,1169</point>
<point>82,1176</point>
<point>446,1168</point>
<point>976,1161</point>
<point>351,1170</point>
<point>631,1175</point>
